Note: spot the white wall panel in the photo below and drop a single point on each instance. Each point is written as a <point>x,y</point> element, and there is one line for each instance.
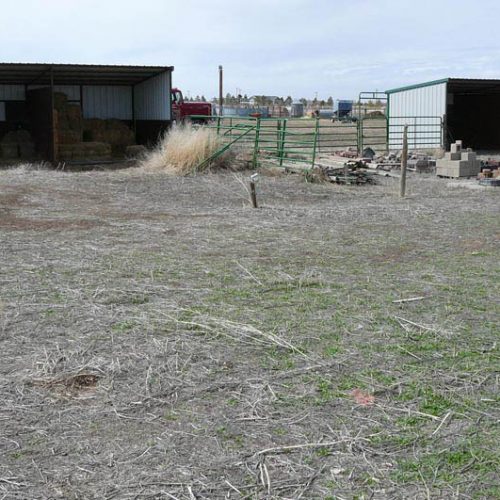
<point>107,102</point>
<point>12,93</point>
<point>423,110</point>
<point>152,98</point>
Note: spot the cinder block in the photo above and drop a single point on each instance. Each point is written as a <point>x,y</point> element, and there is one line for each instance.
<point>452,163</point>
<point>455,148</point>
<point>469,156</point>
<point>450,168</point>
<point>453,156</point>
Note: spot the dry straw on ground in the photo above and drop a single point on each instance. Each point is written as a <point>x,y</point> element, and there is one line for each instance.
<point>182,149</point>
<point>161,339</point>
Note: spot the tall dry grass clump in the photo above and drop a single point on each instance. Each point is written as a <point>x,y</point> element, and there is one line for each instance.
<point>182,149</point>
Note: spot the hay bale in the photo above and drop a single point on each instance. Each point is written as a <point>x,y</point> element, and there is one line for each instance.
<point>17,144</point>
<point>96,150</point>
<point>60,100</point>
<point>9,151</point>
<point>93,127</point>
<point>9,138</point>
<point>135,151</point>
<point>85,151</point>
<point>73,117</point>
<point>113,132</point>
<point>68,136</point>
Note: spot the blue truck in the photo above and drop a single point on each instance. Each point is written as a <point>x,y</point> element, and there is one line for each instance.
<point>342,111</point>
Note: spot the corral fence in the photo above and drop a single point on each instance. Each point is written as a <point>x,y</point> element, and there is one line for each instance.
<point>424,132</point>
<point>284,141</point>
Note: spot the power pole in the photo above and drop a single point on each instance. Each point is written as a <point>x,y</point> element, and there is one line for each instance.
<point>221,90</point>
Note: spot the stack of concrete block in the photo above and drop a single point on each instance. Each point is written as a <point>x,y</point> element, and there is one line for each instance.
<point>458,163</point>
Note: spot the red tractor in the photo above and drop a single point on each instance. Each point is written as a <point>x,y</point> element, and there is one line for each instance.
<point>182,110</point>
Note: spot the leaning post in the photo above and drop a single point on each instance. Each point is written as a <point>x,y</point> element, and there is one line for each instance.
<point>253,191</point>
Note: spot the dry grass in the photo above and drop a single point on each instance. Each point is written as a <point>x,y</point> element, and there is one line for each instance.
<point>182,150</point>
<point>339,342</point>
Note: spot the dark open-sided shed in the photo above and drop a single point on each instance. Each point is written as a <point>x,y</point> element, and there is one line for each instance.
<point>442,111</point>
<point>137,96</point>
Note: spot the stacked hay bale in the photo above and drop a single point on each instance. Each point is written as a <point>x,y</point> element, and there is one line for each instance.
<point>17,144</point>
<point>69,131</point>
<point>113,132</point>
<point>75,138</point>
<point>97,151</point>
<point>68,120</point>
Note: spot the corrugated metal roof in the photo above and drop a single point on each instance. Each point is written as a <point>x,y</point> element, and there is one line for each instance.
<point>77,74</point>
<point>456,83</point>
<point>474,86</point>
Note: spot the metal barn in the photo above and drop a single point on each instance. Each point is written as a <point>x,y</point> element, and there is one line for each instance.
<point>59,111</point>
<point>439,112</point>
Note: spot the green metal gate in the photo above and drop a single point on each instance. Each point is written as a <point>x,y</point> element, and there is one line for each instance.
<point>283,141</point>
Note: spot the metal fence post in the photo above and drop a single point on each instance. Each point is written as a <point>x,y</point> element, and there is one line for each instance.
<point>218,125</point>
<point>387,132</point>
<point>282,142</point>
<point>315,143</point>
<point>278,136</point>
<point>360,136</point>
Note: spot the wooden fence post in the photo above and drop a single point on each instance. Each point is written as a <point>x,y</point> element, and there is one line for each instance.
<point>404,163</point>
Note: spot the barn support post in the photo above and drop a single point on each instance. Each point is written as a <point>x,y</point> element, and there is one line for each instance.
<point>53,149</point>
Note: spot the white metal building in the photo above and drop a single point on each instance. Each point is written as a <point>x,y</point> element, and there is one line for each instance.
<point>442,111</point>
<point>137,95</point>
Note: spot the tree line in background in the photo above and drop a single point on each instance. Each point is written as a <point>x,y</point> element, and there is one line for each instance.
<point>263,100</point>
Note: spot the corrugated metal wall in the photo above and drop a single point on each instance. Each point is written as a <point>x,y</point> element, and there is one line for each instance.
<point>152,98</point>
<point>423,110</point>
<point>107,102</point>
<point>12,93</point>
<point>17,92</point>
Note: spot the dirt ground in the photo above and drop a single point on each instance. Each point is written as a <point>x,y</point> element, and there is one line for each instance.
<point>159,338</point>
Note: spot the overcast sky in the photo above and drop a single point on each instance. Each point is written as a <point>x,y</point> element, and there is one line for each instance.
<point>276,47</point>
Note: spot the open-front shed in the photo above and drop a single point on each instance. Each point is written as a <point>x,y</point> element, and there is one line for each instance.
<point>440,112</point>
<point>64,112</point>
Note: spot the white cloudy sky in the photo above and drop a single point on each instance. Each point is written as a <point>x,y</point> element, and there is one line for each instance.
<point>280,47</point>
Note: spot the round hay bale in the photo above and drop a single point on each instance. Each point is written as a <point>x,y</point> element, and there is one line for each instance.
<point>9,151</point>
